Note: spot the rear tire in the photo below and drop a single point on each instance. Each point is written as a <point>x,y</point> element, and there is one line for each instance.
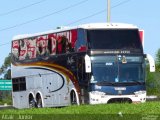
<point>32,102</point>
<point>39,101</point>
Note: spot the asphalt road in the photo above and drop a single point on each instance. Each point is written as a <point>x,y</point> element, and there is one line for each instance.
<point>2,107</point>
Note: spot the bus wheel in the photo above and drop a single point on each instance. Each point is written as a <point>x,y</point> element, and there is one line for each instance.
<point>73,98</point>
<point>32,102</point>
<point>39,101</point>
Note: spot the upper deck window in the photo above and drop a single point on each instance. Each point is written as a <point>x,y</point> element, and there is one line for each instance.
<point>114,39</point>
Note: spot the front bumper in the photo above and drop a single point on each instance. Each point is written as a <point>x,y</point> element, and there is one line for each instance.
<point>96,97</point>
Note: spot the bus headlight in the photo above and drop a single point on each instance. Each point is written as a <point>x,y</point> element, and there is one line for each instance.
<point>97,93</point>
<point>96,96</point>
<point>139,93</point>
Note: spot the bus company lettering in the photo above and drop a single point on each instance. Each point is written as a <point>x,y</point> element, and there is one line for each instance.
<point>117,52</point>
<point>55,43</point>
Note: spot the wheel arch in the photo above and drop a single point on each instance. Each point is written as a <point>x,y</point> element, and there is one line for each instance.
<point>37,94</point>
<point>30,97</point>
<point>74,90</point>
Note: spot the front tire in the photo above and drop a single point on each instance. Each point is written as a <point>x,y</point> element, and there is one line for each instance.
<point>73,98</point>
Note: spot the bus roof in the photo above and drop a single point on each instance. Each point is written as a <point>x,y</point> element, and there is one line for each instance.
<point>84,26</point>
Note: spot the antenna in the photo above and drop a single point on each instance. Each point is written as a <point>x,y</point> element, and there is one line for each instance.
<point>108,11</point>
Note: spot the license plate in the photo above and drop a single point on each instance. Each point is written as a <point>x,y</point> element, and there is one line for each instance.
<point>120,88</point>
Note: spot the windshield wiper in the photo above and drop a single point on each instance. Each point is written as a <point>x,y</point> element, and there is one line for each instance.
<point>105,83</point>
<point>136,81</point>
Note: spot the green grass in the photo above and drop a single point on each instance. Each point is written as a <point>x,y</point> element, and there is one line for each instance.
<point>142,108</point>
<point>6,101</point>
<point>153,83</point>
<point>92,111</point>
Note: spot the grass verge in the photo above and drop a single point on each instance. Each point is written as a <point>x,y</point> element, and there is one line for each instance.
<point>148,110</point>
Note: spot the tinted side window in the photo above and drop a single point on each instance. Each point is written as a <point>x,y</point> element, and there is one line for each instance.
<point>19,84</point>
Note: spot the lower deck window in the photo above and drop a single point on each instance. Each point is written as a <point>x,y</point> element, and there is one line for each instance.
<point>19,84</point>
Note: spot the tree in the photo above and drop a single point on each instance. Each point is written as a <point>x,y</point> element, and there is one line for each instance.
<point>158,60</point>
<point>6,67</point>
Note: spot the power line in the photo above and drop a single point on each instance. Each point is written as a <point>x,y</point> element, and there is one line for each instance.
<point>21,8</point>
<point>71,6</point>
<point>5,44</point>
<point>97,13</point>
<point>123,2</point>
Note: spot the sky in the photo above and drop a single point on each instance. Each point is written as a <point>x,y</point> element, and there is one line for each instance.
<point>32,16</point>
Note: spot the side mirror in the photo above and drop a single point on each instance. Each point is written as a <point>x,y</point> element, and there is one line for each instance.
<point>151,63</point>
<point>87,64</point>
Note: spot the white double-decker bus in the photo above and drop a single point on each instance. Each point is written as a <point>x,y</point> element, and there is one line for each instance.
<point>88,64</point>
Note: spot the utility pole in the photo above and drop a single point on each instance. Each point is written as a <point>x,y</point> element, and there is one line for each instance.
<point>108,11</point>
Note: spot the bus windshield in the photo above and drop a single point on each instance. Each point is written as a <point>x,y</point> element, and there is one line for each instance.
<point>111,69</point>
<point>114,39</point>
